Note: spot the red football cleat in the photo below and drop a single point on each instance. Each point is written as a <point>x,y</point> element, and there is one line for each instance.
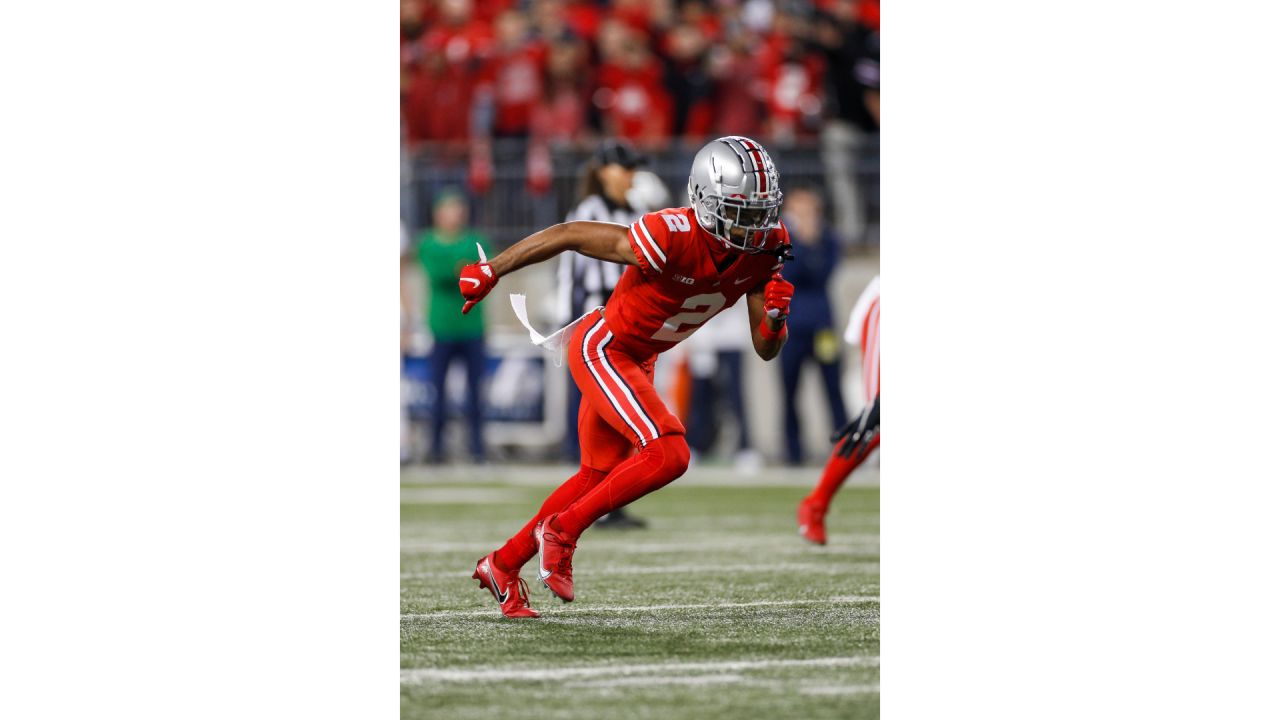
<point>555,559</point>
<point>508,589</point>
<point>813,522</point>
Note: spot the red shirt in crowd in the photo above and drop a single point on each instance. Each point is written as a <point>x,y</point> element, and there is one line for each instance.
<point>793,83</point>
<point>515,79</point>
<point>634,101</point>
<point>442,69</point>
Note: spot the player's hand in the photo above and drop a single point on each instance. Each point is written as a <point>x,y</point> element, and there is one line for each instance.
<point>777,297</point>
<point>858,433</point>
<point>476,280</point>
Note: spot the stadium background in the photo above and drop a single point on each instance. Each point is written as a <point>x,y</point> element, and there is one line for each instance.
<point>505,101</point>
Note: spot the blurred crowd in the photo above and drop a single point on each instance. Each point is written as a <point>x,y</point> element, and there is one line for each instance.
<point>566,72</point>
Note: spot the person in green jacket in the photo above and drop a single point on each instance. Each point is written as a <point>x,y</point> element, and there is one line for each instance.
<point>441,252</point>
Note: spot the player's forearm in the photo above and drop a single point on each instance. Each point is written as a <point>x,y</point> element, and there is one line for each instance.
<point>600,240</point>
<point>539,246</point>
<point>768,341</point>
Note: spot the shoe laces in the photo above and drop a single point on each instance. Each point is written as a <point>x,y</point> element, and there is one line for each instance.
<point>522,590</point>
<point>564,564</point>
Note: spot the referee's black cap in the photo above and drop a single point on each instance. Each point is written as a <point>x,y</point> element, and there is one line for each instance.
<point>620,152</point>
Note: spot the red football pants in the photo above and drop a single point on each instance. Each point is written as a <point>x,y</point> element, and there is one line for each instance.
<point>838,468</point>
<point>631,443</point>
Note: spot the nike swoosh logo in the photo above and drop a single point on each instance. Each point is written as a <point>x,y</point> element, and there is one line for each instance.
<point>471,280</point>
<point>741,280</point>
<point>502,596</point>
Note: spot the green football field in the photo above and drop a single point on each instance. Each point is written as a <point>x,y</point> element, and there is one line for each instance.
<point>718,609</point>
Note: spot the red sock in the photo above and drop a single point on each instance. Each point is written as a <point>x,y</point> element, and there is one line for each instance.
<point>517,551</point>
<point>657,464</point>
<point>836,472</point>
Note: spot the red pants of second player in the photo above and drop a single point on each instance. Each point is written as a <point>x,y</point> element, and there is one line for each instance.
<point>837,470</point>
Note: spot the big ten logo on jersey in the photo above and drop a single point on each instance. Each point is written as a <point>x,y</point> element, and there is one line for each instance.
<point>676,223</point>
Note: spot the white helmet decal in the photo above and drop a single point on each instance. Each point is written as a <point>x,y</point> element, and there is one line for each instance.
<point>717,175</point>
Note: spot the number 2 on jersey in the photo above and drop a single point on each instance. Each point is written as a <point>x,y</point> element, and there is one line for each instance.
<point>700,307</point>
<point>677,223</point>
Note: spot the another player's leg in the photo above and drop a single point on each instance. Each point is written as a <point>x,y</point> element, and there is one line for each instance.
<point>441,356</point>
<point>474,356</point>
<point>812,514</point>
<point>746,458</point>
<point>573,401</point>
<point>792,357</point>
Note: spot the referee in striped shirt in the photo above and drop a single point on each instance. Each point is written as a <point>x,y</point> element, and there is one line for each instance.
<point>585,283</point>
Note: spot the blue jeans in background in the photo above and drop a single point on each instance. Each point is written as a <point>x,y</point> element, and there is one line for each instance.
<point>718,396</point>
<point>471,353</point>
<point>801,346</point>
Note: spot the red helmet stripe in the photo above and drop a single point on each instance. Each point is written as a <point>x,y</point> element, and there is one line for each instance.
<point>757,160</point>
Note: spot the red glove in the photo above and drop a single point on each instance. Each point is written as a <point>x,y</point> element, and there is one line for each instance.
<point>475,281</point>
<point>777,297</point>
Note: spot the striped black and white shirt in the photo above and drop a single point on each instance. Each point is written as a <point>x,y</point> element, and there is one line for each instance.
<point>585,283</point>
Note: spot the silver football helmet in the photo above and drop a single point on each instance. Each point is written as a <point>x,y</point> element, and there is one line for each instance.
<point>734,191</point>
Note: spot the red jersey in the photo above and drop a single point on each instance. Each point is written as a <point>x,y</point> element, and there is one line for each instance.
<point>686,277</point>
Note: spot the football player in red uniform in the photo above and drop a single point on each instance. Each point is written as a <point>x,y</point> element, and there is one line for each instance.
<point>685,265</point>
<point>857,439</point>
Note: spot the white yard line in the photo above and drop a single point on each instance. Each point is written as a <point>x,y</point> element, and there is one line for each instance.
<point>501,674</point>
<point>589,610</point>
<point>839,689</point>
<point>644,680</point>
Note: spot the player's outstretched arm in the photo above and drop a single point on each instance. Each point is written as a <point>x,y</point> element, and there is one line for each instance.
<point>768,307</point>
<point>600,240</point>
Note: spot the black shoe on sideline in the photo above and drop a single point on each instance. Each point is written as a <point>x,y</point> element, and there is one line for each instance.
<point>620,520</point>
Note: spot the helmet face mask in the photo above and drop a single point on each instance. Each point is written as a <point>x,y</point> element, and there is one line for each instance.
<point>735,194</point>
<point>744,226</point>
